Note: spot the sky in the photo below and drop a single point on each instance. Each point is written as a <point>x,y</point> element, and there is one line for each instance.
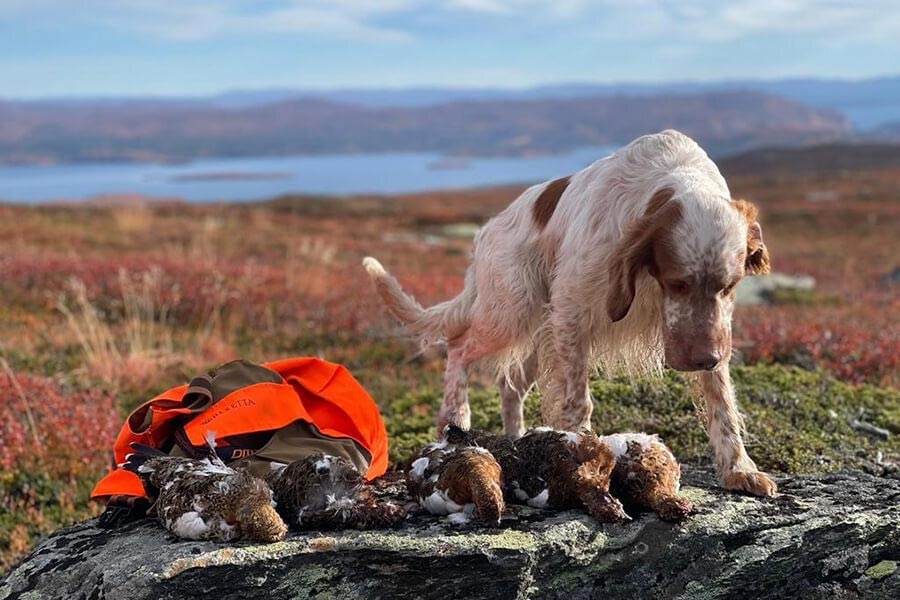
<point>201,47</point>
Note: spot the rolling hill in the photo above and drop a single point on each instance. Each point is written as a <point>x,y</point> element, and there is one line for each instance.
<point>176,130</point>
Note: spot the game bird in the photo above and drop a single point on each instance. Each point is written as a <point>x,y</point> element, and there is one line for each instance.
<point>204,499</point>
<point>547,468</point>
<point>328,492</point>
<point>648,474</point>
<point>457,478</point>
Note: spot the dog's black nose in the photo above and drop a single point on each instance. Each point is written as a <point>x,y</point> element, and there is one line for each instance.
<point>707,361</point>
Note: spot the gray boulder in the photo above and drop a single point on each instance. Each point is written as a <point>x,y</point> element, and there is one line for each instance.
<point>831,536</point>
<point>761,289</point>
<point>892,276</point>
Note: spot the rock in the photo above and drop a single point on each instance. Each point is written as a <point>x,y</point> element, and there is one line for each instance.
<point>831,536</point>
<point>892,276</point>
<point>463,230</point>
<point>761,289</point>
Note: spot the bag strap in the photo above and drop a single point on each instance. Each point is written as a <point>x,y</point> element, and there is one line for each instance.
<point>199,394</point>
<point>197,397</point>
<point>123,509</point>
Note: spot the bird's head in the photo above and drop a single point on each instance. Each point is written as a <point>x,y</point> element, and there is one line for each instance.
<point>257,516</point>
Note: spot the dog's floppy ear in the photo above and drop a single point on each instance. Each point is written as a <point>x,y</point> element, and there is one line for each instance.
<point>636,251</point>
<point>757,262</point>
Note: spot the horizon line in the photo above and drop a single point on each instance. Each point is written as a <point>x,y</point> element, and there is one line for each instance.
<point>312,90</point>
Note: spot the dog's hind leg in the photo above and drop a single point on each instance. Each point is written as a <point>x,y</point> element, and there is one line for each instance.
<point>455,406</point>
<point>462,351</point>
<point>506,307</point>
<point>513,389</point>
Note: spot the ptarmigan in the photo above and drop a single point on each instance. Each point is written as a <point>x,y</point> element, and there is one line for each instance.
<point>457,478</point>
<point>203,499</point>
<point>556,469</point>
<point>648,474</point>
<point>328,492</point>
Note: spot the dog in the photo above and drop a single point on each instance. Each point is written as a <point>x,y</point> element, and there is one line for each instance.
<point>627,266</point>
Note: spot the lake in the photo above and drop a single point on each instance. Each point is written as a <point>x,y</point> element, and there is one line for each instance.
<point>259,178</point>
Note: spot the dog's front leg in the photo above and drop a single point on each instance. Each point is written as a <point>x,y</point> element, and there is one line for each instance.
<point>736,470</point>
<point>567,403</point>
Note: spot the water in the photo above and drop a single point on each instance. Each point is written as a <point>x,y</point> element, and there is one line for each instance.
<point>260,178</point>
<point>872,116</point>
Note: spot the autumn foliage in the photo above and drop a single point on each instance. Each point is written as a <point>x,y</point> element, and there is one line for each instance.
<point>104,306</point>
<point>43,427</point>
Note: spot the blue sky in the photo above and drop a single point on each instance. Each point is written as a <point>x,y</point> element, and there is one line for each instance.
<point>196,47</point>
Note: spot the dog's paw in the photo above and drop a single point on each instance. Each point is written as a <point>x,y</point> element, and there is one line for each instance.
<point>752,482</point>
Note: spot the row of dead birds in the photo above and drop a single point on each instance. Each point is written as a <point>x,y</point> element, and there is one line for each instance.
<point>467,475</point>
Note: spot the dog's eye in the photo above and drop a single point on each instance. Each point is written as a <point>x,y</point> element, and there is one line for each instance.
<point>678,287</point>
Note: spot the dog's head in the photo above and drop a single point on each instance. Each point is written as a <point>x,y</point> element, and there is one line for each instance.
<point>697,251</point>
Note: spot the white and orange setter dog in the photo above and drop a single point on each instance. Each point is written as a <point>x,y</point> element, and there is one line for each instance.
<point>627,265</point>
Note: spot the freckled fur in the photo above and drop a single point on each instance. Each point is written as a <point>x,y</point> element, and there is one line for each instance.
<point>536,301</point>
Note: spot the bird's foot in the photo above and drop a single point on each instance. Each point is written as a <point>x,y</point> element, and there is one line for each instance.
<point>673,507</point>
<point>604,507</point>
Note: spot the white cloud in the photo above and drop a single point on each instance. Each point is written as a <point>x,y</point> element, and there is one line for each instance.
<point>695,21</point>
<point>340,19</point>
<point>704,20</point>
<point>494,7</point>
<point>714,20</point>
<point>520,8</point>
<point>203,19</point>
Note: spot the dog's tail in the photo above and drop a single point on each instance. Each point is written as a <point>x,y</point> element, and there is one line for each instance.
<point>440,322</point>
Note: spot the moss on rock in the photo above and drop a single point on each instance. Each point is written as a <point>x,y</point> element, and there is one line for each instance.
<point>882,569</point>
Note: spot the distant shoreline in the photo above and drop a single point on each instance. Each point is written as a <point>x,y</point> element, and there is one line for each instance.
<point>380,174</point>
<point>231,176</point>
<point>252,178</point>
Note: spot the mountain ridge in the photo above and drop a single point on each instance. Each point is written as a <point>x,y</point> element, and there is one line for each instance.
<point>724,122</point>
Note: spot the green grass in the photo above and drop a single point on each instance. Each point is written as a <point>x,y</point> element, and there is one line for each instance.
<point>35,504</point>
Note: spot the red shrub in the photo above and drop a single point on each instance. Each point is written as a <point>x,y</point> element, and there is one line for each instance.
<point>62,433</point>
<point>857,343</point>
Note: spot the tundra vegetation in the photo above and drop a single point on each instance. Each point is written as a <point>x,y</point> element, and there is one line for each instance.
<point>104,304</point>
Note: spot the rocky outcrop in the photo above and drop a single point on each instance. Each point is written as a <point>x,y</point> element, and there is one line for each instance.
<point>763,289</point>
<point>831,536</point>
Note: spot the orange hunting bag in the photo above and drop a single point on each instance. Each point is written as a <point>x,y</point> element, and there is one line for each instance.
<point>276,412</point>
